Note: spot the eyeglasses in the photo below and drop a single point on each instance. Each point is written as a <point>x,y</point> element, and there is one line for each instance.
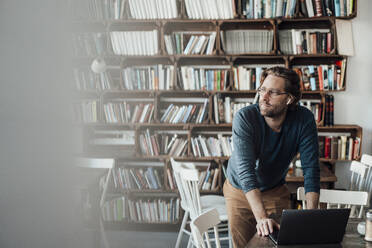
<point>271,93</point>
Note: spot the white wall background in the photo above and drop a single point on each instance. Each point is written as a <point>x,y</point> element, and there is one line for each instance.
<point>354,106</point>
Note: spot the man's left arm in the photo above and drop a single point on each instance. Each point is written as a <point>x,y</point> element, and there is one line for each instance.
<point>309,152</point>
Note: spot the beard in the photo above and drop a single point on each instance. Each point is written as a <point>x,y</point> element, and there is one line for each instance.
<point>272,110</point>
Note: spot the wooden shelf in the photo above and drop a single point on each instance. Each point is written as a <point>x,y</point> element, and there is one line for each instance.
<point>296,176</point>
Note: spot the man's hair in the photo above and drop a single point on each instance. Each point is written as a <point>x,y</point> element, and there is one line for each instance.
<point>291,79</point>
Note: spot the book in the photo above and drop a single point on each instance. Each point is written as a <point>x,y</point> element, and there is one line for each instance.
<point>345,44</point>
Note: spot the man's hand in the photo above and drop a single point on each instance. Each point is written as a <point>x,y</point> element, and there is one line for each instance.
<point>266,226</point>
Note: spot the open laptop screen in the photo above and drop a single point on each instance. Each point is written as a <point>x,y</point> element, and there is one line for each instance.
<point>314,226</point>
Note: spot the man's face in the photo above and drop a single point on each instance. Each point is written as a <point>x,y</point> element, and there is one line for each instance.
<point>273,98</point>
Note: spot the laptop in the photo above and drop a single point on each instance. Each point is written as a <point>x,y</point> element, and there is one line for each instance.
<point>313,226</point>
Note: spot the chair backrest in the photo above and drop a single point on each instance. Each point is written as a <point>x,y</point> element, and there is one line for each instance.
<point>346,199</point>
<point>358,172</point>
<point>182,186</point>
<point>190,181</point>
<point>200,226</point>
<point>367,160</point>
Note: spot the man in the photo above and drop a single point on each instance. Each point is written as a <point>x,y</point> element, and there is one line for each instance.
<point>266,137</point>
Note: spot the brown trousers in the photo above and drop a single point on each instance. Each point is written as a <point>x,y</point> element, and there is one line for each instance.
<point>241,219</point>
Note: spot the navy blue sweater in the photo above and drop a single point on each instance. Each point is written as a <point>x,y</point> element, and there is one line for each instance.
<point>261,157</point>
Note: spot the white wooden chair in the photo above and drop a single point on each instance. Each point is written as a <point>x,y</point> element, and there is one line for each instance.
<point>358,173</point>
<point>187,177</point>
<point>367,160</point>
<point>200,226</point>
<point>340,198</point>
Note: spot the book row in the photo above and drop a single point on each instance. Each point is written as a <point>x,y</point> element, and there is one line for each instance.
<point>163,143</point>
<point>137,178</point>
<point>86,79</point>
<point>142,211</point>
<point>247,41</point>
<point>268,9</point>
<point>339,147</point>
<point>191,113</point>
<point>287,8</point>
<point>190,43</point>
<point>317,8</point>
<point>322,77</point>
<point>202,146</point>
<point>155,77</point>
<point>248,77</point>
<point>86,111</point>
<point>176,145</point>
<point>204,77</point>
<point>124,112</point>
<point>154,9</point>
<point>224,110</point>
<point>208,9</point>
<point>135,42</point>
<point>98,9</point>
<point>306,41</point>
<point>235,41</point>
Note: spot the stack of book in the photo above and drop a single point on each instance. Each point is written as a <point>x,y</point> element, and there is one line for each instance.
<point>192,113</point>
<point>210,9</point>
<point>85,79</point>
<point>86,111</point>
<point>158,144</point>
<point>154,210</point>
<point>314,106</point>
<point>338,146</point>
<point>226,108</point>
<point>190,43</point>
<point>211,147</point>
<point>318,8</point>
<point>268,9</point>
<point>115,209</point>
<point>137,178</point>
<point>247,41</point>
<point>322,77</point>
<point>306,41</point>
<point>123,112</point>
<point>206,77</point>
<point>208,179</point>
<point>135,43</point>
<point>151,77</point>
<point>154,9</point>
<point>89,44</point>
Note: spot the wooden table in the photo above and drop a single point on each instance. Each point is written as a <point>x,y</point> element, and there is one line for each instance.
<point>351,239</point>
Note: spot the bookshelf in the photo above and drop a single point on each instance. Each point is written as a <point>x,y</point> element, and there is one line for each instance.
<point>158,74</point>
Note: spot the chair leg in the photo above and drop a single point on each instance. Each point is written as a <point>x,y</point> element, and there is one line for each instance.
<point>190,243</point>
<point>229,235</point>
<point>183,226</point>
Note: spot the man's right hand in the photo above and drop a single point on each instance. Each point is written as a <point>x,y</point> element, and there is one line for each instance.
<point>265,226</point>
